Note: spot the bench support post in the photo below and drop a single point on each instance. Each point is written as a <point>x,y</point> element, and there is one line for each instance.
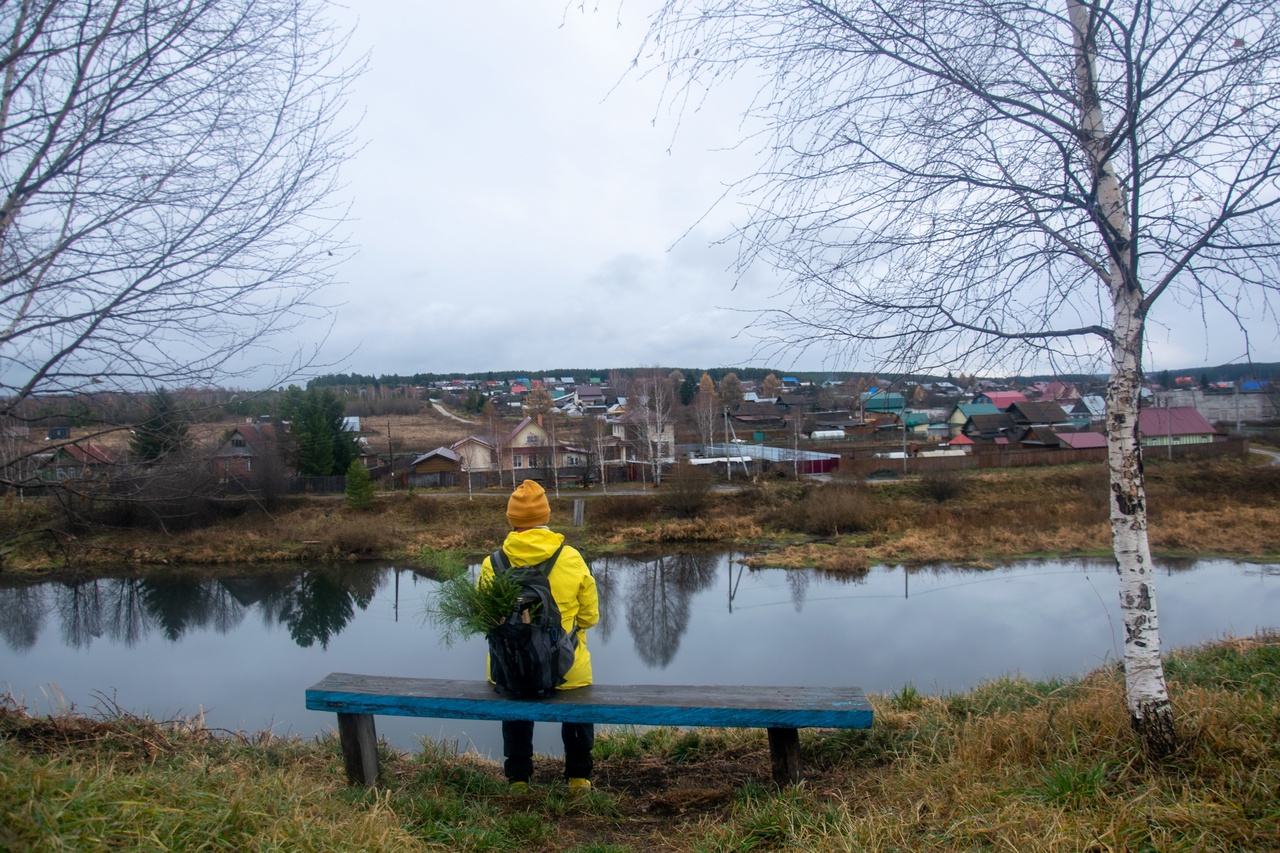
<point>359,748</point>
<point>784,751</point>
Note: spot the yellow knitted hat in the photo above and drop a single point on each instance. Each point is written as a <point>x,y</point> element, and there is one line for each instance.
<point>528,505</point>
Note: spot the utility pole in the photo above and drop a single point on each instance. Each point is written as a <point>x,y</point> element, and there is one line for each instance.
<point>555,462</point>
<point>728,461</point>
<point>391,457</point>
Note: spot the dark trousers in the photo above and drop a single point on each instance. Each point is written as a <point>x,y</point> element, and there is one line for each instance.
<point>517,747</point>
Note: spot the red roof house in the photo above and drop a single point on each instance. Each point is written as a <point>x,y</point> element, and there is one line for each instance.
<point>1174,425</point>
<point>1002,400</point>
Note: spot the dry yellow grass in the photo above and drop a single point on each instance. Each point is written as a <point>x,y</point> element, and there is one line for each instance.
<point>1224,507</point>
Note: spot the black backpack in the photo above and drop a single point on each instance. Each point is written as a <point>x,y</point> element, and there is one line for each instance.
<point>529,652</point>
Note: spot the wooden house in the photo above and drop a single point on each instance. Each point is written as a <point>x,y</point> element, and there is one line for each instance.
<point>961,412</point>
<point>985,427</point>
<point>248,451</point>
<point>84,460</point>
<point>439,467</point>
<point>1027,414</point>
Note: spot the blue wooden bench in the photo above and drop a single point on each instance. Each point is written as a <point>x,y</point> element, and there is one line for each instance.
<point>780,710</point>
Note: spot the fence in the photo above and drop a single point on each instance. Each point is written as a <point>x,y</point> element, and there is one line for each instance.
<point>317,485</point>
<point>866,466</point>
<point>807,461</point>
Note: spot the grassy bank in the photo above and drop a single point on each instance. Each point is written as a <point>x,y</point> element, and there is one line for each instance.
<point>1012,765</point>
<point>1221,507</point>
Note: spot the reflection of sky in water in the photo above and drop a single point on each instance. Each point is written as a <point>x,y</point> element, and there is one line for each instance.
<point>244,650</point>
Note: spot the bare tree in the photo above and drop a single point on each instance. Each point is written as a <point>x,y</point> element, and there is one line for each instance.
<point>597,433</point>
<point>500,437</point>
<point>984,184</point>
<point>538,402</point>
<point>706,410</point>
<point>651,412</point>
<point>167,178</point>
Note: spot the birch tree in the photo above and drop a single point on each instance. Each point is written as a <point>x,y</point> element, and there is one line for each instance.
<point>986,184</point>
<point>652,416</point>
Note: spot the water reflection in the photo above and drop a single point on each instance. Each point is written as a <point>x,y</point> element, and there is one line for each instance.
<point>650,595</point>
<point>314,606</point>
<point>658,599</point>
<point>242,648</point>
<point>22,612</point>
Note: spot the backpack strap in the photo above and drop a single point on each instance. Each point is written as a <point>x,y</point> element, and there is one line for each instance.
<point>499,562</point>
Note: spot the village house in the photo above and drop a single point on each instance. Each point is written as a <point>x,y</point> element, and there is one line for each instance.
<point>527,451</point>
<point>1002,400</point>
<point>989,427</point>
<point>439,467</point>
<point>629,429</point>
<point>1063,393</point>
<point>961,412</point>
<point>84,460</point>
<point>1176,425</point>
<point>1249,401</point>
<point>1027,414</point>
<point>248,451</point>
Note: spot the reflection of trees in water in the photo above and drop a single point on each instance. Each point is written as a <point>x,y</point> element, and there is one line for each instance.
<point>314,605</point>
<point>606,571</point>
<point>178,605</point>
<point>319,603</point>
<point>22,612</point>
<point>658,602</point>
<point>79,609</point>
<point>124,611</point>
<point>798,581</point>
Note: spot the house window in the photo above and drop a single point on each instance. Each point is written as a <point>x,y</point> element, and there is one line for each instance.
<point>517,462</point>
<point>248,465</point>
<point>237,442</point>
<point>531,439</point>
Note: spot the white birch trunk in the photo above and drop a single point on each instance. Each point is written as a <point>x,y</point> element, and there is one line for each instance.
<point>1146,694</point>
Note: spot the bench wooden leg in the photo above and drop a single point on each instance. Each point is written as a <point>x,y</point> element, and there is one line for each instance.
<point>359,748</point>
<point>784,750</point>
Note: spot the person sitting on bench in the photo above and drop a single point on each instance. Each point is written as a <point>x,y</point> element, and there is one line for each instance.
<point>574,590</point>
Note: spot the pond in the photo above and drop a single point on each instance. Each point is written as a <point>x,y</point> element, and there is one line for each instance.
<point>241,648</point>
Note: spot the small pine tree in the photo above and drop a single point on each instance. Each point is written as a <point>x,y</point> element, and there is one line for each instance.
<point>162,431</point>
<point>359,487</point>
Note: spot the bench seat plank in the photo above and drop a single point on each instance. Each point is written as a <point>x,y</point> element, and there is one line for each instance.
<point>646,705</point>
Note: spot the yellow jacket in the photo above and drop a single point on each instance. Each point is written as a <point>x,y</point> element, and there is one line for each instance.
<point>572,586</point>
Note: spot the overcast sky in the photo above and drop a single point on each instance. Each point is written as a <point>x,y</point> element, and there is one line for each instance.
<point>521,202</point>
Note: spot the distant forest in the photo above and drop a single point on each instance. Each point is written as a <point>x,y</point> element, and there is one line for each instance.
<point>1220,373</point>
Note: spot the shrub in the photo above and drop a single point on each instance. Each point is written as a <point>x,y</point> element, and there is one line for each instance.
<point>425,509</point>
<point>625,508</point>
<point>354,536</point>
<point>834,509</point>
<point>940,486</point>
<point>688,491</point>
